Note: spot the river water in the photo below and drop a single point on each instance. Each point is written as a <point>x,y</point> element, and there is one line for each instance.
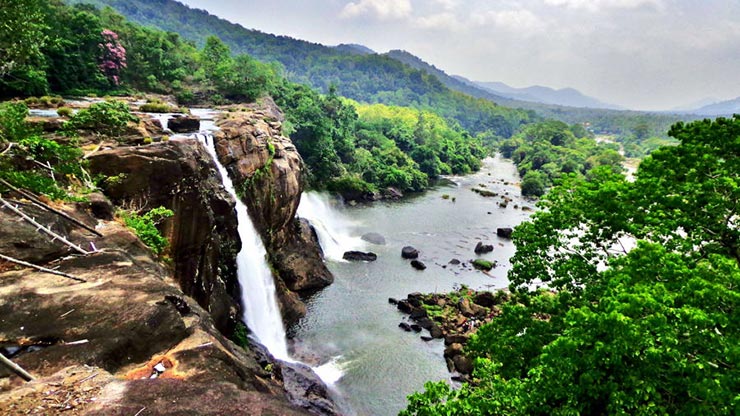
<point>352,318</point>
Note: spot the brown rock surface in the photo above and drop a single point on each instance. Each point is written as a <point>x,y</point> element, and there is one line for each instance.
<point>267,173</point>
<point>97,345</point>
<point>179,175</point>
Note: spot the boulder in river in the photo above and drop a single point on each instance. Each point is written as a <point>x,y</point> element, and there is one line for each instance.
<point>416,264</point>
<point>374,238</point>
<point>481,264</point>
<point>504,232</point>
<point>184,124</point>
<point>409,252</point>
<point>359,256</point>
<point>481,248</point>
<point>455,262</point>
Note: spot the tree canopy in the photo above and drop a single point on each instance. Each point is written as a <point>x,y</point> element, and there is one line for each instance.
<point>652,329</point>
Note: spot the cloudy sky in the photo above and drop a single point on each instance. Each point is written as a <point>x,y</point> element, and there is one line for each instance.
<point>641,54</point>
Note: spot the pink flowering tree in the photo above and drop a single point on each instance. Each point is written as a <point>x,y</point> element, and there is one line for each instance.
<point>112,56</point>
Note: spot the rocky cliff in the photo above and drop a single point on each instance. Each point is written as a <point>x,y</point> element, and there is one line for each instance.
<point>268,174</point>
<point>203,236</point>
<point>124,341</point>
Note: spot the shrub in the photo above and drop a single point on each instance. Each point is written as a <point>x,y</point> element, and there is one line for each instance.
<point>158,108</point>
<point>108,118</point>
<point>145,227</point>
<point>65,112</point>
<point>533,184</point>
<point>350,187</point>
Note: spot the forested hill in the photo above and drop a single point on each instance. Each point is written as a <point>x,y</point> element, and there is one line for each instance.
<point>370,78</point>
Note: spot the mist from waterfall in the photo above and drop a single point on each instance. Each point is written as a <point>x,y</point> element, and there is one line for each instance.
<point>333,229</point>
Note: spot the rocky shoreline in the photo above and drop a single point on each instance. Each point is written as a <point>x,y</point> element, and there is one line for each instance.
<point>453,317</point>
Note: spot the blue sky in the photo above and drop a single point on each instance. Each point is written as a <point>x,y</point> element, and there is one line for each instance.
<point>641,54</point>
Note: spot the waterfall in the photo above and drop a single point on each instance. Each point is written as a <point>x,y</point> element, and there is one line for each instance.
<point>333,229</point>
<point>259,300</point>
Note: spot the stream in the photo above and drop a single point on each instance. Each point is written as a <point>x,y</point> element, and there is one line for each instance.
<point>352,319</point>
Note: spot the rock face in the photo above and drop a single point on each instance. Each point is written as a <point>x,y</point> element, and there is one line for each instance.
<point>184,124</point>
<point>267,172</point>
<point>180,175</point>
<point>124,340</point>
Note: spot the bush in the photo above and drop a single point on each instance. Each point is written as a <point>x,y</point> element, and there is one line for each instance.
<point>145,227</point>
<point>108,118</point>
<point>65,112</point>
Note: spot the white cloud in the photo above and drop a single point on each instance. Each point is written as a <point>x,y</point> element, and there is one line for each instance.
<point>379,9</point>
<point>448,4</point>
<point>521,20</point>
<point>446,21</point>
<point>596,5</point>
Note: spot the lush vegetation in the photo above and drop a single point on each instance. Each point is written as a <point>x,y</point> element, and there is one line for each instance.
<point>650,330</point>
<point>356,149</point>
<point>145,227</point>
<point>545,152</point>
<point>30,161</point>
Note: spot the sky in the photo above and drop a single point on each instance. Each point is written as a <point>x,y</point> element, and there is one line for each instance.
<point>640,54</point>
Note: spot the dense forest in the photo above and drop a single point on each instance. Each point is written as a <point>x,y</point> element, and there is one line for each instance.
<point>650,330</point>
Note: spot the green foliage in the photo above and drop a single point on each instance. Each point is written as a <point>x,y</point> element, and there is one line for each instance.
<point>108,118</point>
<point>241,335</point>
<point>21,35</point>
<point>548,151</point>
<point>653,330</point>
<point>481,264</point>
<point>145,227</point>
<point>33,162</point>
<point>65,112</point>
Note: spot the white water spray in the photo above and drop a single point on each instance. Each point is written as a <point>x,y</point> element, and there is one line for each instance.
<point>259,300</point>
<point>333,229</point>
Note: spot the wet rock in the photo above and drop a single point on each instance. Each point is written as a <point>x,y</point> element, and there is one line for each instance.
<point>374,238</point>
<point>416,264</point>
<point>463,364</point>
<point>184,124</point>
<point>416,328</point>
<point>359,256</point>
<point>461,339</point>
<point>486,299</point>
<point>484,265</point>
<point>406,327</point>
<point>425,323</point>
<point>464,306</point>
<point>404,306</point>
<point>455,262</point>
<point>418,313</point>
<point>393,301</point>
<point>436,332</point>
<point>306,390</point>
<point>409,253</point>
<point>21,240</point>
<point>426,338</point>
<point>453,350</point>
<point>415,299</point>
<point>481,248</point>
<point>504,232</point>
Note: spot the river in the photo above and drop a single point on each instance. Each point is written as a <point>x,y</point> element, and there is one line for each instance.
<point>352,318</point>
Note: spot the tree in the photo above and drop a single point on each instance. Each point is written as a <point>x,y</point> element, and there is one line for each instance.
<point>112,56</point>
<point>21,33</point>
<point>651,330</point>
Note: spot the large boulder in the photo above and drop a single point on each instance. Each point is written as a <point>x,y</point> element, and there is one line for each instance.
<point>359,256</point>
<point>504,232</point>
<point>184,124</point>
<point>481,248</point>
<point>204,240</point>
<point>409,252</point>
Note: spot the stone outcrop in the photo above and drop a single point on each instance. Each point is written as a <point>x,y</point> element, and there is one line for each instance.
<point>180,175</point>
<point>267,172</point>
<point>124,340</point>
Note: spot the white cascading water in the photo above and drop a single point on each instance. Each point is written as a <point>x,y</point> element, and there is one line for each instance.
<point>333,229</point>
<point>259,300</point>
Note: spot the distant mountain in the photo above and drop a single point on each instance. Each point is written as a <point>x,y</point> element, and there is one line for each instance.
<point>451,82</point>
<point>695,105</point>
<point>566,96</point>
<point>723,108</point>
<point>355,49</point>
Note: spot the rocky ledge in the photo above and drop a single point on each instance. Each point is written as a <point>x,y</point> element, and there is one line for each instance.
<point>453,317</point>
<point>125,340</point>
